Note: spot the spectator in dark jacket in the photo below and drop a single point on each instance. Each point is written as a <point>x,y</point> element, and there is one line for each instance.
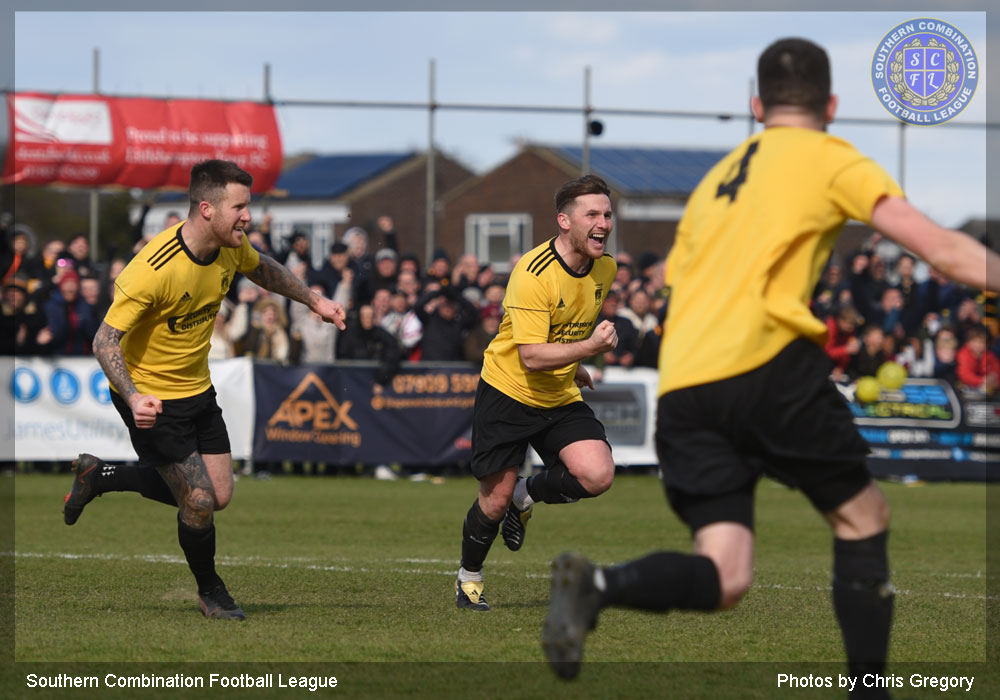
<point>479,338</point>
<point>945,355</point>
<point>869,358</point>
<point>446,317</point>
<point>364,340</point>
<point>78,250</point>
<point>23,330</point>
<point>382,277</point>
<point>333,269</point>
<point>71,320</point>
<point>624,354</point>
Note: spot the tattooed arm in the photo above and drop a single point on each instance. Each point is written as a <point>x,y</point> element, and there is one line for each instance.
<point>277,278</point>
<point>108,351</point>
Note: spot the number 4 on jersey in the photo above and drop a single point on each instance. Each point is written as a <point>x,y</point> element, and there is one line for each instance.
<point>732,187</point>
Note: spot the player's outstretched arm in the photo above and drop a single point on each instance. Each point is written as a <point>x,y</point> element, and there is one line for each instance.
<point>543,356</point>
<point>108,351</point>
<point>954,254</point>
<point>277,278</point>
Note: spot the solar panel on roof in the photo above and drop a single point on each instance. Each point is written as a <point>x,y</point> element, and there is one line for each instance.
<point>330,176</point>
<point>648,171</point>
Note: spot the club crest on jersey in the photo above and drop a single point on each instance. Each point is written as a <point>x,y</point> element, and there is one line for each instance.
<point>598,294</point>
<point>226,280</point>
<point>924,71</point>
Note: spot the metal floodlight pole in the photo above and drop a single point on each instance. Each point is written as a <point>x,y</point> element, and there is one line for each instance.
<point>95,201</point>
<point>751,121</point>
<point>430,195</point>
<point>585,160</point>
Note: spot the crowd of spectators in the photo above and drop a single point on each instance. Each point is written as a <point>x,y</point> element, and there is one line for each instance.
<point>879,304</point>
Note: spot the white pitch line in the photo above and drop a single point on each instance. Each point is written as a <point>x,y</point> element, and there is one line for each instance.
<point>309,565</point>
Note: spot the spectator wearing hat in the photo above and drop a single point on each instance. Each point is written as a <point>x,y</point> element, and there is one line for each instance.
<point>25,330</point>
<point>440,268</point>
<point>70,318</point>
<point>646,265</point>
<point>384,275</point>
<point>15,254</point>
<point>410,263</point>
<point>336,269</point>
<point>78,250</point>
<point>41,268</point>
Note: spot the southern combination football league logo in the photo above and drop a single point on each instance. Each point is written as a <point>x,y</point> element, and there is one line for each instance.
<point>924,71</point>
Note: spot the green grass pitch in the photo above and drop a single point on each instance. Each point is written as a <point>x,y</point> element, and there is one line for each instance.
<point>344,574</point>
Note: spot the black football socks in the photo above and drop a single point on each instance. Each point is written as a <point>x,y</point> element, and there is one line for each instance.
<point>663,581</point>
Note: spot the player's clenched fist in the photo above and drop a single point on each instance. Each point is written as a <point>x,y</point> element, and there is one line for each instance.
<point>145,408</point>
<point>605,337</point>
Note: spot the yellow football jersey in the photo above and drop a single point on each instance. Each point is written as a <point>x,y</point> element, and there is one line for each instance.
<point>753,241</point>
<point>545,302</point>
<point>165,302</point>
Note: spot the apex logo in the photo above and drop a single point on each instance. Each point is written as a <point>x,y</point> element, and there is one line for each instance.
<point>325,414</point>
<point>561,304</point>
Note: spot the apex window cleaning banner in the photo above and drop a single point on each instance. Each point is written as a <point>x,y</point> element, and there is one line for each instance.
<point>93,140</point>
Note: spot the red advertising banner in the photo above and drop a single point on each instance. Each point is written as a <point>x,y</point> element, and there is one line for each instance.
<point>93,140</point>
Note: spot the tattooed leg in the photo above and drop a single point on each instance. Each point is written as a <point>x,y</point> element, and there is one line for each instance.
<point>190,483</point>
<point>192,486</point>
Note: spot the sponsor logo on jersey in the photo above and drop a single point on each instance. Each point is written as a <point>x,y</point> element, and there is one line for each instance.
<point>206,314</point>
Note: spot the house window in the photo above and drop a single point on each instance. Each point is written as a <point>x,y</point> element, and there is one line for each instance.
<point>495,238</point>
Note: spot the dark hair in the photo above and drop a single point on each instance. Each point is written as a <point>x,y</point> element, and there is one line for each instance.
<point>210,177</point>
<point>588,184</point>
<point>796,73</point>
<point>978,331</point>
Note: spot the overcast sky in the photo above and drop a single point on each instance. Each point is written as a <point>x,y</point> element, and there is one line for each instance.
<point>697,61</point>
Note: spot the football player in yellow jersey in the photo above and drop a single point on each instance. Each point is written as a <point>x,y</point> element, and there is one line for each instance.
<point>744,381</point>
<point>529,392</point>
<point>153,346</point>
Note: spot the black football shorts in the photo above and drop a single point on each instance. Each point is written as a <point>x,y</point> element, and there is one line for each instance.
<point>502,429</point>
<point>784,419</point>
<point>188,425</point>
